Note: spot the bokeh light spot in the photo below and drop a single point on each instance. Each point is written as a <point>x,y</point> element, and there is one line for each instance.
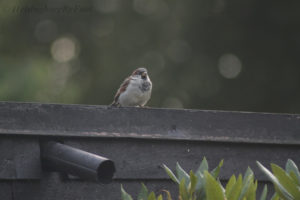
<point>229,66</point>
<point>63,49</point>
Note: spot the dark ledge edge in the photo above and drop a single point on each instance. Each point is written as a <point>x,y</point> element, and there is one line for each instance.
<point>65,120</point>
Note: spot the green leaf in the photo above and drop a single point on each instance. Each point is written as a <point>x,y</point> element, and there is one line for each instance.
<point>292,167</point>
<point>251,192</point>
<point>200,181</point>
<point>213,189</point>
<point>181,174</point>
<point>264,193</point>
<point>203,166</point>
<point>230,185</point>
<point>143,193</point>
<point>236,189</point>
<point>160,197</point>
<point>183,190</point>
<point>286,181</point>
<point>171,174</point>
<point>151,196</point>
<point>200,190</point>
<point>281,191</point>
<point>125,195</point>
<point>215,172</point>
<point>249,186</point>
<point>275,197</point>
<point>294,178</point>
<point>223,189</point>
<point>193,182</point>
<point>248,173</point>
<point>168,194</point>
<point>247,183</point>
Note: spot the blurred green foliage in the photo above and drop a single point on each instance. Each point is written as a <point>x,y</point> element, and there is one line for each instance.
<point>206,54</point>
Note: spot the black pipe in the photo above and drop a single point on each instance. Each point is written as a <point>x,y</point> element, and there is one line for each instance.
<point>62,158</point>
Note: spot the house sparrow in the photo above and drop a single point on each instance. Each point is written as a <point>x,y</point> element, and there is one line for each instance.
<point>135,90</point>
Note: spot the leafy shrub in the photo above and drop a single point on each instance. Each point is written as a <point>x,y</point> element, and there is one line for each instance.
<point>205,185</point>
<point>286,182</point>
<point>143,195</point>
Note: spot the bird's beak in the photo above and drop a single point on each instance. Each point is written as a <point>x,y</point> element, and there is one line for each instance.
<point>144,75</point>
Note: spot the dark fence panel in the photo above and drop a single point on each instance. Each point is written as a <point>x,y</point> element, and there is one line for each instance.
<point>19,158</point>
<point>6,192</point>
<point>142,159</point>
<point>139,141</point>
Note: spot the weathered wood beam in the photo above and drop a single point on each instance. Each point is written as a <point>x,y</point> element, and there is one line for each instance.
<point>148,123</point>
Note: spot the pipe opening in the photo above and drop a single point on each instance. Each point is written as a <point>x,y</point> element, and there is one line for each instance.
<point>105,171</point>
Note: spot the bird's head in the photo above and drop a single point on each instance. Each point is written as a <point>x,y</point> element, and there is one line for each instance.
<point>140,72</point>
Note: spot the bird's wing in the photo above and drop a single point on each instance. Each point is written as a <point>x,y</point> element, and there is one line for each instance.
<point>122,88</point>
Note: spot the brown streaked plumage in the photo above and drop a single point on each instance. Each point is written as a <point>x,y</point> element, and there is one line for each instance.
<point>139,71</point>
<point>120,90</point>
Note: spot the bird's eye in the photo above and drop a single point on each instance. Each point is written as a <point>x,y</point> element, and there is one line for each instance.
<point>144,75</point>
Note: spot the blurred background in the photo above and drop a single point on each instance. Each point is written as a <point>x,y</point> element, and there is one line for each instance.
<point>206,54</point>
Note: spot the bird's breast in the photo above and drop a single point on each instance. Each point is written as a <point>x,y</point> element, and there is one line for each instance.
<point>136,94</point>
<point>146,86</point>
